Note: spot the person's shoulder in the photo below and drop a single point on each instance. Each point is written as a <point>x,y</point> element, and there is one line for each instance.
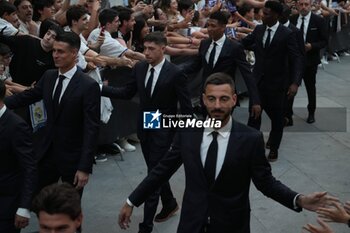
<point>13,120</point>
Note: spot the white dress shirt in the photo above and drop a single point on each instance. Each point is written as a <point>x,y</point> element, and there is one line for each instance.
<point>2,111</point>
<point>69,74</point>
<point>286,24</point>
<point>223,137</point>
<point>306,23</point>
<point>273,31</point>
<point>219,44</point>
<point>156,73</point>
<point>20,211</point>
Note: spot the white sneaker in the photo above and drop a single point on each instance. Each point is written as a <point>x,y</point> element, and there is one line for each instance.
<point>346,54</point>
<point>324,61</point>
<point>123,143</point>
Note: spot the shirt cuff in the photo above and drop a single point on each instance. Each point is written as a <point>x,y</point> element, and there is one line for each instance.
<point>295,202</point>
<point>129,202</point>
<point>23,212</point>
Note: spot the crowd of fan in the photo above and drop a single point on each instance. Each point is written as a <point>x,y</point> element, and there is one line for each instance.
<point>112,36</point>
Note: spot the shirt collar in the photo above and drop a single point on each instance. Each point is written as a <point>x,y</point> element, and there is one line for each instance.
<point>286,24</point>
<point>220,42</point>
<point>274,27</point>
<point>158,67</point>
<point>2,111</point>
<point>69,74</point>
<point>223,131</point>
<point>307,17</point>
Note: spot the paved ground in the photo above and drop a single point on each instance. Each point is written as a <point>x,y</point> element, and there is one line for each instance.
<point>312,158</point>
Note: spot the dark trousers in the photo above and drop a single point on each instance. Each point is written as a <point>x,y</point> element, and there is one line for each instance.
<point>273,104</point>
<point>153,155</point>
<point>49,174</point>
<point>310,85</point>
<point>8,226</point>
<point>288,107</point>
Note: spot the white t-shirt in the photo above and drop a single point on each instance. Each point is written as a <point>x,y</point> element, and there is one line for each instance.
<point>110,47</point>
<point>8,28</point>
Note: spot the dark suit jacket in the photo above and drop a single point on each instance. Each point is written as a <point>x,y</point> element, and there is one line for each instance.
<point>231,56</point>
<point>18,166</point>
<point>316,35</point>
<point>226,203</point>
<point>271,64</point>
<point>171,88</point>
<point>72,133</point>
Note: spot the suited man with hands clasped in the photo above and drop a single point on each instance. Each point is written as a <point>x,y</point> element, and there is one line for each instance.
<point>314,30</point>
<point>277,70</point>
<point>160,85</point>
<point>219,165</point>
<point>72,103</point>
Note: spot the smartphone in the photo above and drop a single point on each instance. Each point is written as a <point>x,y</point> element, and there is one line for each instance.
<point>102,32</point>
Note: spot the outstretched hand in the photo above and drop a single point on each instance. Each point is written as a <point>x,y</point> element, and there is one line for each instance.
<point>316,200</point>
<point>124,216</point>
<point>335,213</point>
<point>323,228</point>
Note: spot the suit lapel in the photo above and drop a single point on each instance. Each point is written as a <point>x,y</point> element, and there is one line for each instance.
<point>161,78</point>
<point>231,150</point>
<point>206,45</point>
<point>196,151</point>
<point>223,51</point>
<point>50,93</point>
<point>73,84</point>
<point>142,78</point>
<point>309,28</point>
<point>276,36</point>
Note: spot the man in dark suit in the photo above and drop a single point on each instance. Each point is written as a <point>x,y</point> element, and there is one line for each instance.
<point>221,54</point>
<point>284,19</point>
<point>314,29</point>
<point>72,103</point>
<point>219,165</point>
<point>17,169</point>
<point>277,70</point>
<point>160,85</point>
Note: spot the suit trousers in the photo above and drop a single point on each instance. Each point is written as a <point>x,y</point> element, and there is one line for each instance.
<point>273,104</point>
<point>288,107</point>
<point>8,226</point>
<point>152,156</point>
<point>310,85</point>
<point>49,174</point>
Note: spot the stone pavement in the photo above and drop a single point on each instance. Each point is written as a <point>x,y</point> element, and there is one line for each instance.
<point>312,158</point>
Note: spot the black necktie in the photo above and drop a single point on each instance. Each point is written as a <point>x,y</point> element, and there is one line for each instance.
<point>302,25</point>
<point>149,83</point>
<point>57,94</point>
<point>268,38</point>
<point>210,161</point>
<point>212,56</point>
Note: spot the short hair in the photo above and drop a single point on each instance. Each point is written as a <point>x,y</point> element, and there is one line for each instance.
<point>274,6</point>
<point>220,17</point>
<point>16,3</point>
<point>6,7</point>
<point>107,16</point>
<point>2,90</point>
<point>219,78</point>
<point>58,198</point>
<point>39,5</point>
<point>75,12</point>
<point>244,9</point>
<point>70,38</point>
<point>4,49</point>
<point>49,24</point>
<point>124,13</point>
<point>184,5</point>
<point>156,37</point>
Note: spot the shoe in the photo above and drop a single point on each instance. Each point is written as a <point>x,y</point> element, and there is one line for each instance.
<point>268,144</point>
<point>288,121</point>
<point>123,143</point>
<point>166,213</point>
<point>109,149</point>
<point>346,54</point>
<point>273,156</point>
<point>310,119</point>
<point>324,61</point>
<point>133,137</point>
<point>100,158</point>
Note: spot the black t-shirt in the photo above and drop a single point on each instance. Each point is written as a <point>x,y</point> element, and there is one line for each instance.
<point>30,61</point>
